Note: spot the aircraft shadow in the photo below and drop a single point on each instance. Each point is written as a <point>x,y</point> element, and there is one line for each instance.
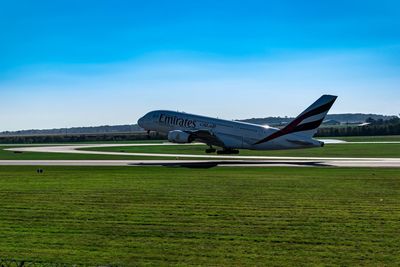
<point>212,164</point>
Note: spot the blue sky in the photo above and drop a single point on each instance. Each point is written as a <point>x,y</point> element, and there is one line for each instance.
<point>82,63</point>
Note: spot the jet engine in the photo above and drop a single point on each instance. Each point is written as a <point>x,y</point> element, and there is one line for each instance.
<point>179,137</point>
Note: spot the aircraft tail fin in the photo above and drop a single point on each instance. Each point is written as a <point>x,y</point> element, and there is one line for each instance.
<point>308,121</point>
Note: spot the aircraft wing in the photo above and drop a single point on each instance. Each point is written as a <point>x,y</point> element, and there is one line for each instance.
<point>206,136</point>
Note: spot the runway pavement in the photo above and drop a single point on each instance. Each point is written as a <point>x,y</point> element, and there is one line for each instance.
<point>206,160</point>
<point>209,163</point>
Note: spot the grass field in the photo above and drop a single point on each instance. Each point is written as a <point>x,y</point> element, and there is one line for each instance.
<point>337,150</point>
<point>87,142</point>
<point>222,216</point>
<point>10,155</point>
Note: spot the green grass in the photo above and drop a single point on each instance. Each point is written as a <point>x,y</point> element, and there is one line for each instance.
<point>339,150</point>
<point>87,142</point>
<point>10,155</point>
<point>220,216</point>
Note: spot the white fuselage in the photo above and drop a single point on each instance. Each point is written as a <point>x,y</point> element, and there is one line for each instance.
<point>234,134</point>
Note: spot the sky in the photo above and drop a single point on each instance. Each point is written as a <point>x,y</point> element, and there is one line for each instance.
<point>84,63</point>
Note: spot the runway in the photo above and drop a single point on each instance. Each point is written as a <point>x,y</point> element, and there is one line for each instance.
<point>383,163</point>
<point>187,160</point>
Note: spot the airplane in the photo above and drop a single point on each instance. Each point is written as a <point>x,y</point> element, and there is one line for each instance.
<point>230,136</point>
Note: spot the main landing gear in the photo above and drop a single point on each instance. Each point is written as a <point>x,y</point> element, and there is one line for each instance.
<point>224,151</point>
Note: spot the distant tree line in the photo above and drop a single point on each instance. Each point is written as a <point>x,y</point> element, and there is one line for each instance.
<point>79,130</point>
<point>392,121</point>
<point>72,138</point>
<point>375,127</point>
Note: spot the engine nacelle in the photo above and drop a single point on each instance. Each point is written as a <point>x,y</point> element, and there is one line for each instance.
<point>179,137</point>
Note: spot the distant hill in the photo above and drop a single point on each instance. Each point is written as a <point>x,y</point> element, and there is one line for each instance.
<point>273,121</point>
<point>357,117</point>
